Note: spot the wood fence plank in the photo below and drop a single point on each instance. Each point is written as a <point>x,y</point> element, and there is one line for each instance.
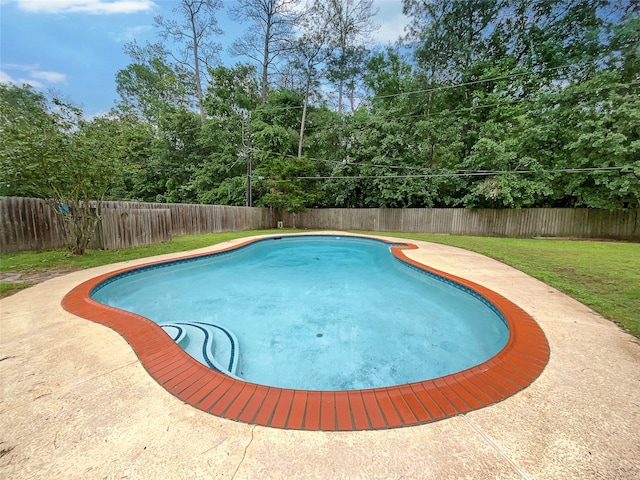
<point>29,224</point>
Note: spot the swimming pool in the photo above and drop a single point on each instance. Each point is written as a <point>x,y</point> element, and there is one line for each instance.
<point>315,313</point>
<point>513,368</point>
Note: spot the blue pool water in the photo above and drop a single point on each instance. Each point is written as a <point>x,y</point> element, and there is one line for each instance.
<point>315,313</point>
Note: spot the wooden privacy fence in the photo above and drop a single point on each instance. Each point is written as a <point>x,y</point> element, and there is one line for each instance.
<point>30,224</point>
<point>188,219</point>
<point>515,223</point>
<point>132,227</point>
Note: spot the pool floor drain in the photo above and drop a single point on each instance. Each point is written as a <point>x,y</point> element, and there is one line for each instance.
<point>318,335</point>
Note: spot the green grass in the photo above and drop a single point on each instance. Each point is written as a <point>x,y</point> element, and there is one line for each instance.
<point>33,262</point>
<point>9,288</point>
<point>603,275</point>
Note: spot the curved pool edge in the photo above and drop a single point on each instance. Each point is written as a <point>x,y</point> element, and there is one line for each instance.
<point>511,370</point>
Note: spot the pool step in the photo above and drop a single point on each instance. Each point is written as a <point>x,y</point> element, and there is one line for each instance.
<point>212,345</point>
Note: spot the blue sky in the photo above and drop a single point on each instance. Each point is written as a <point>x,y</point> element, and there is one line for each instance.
<point>75,47</point>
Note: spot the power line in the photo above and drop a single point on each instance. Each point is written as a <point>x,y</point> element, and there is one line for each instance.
<point>458,85</point>
<point>479,173</point>
<point>448,113</point>
<point>514,101</point>
<point>508,102</point>
<point>459,172</point>
<point>341,162</point>
<point>483,80</point>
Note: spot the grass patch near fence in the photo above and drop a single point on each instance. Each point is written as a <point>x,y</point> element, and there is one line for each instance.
<point>58,259</point>
<point>9,288</point>
<point>603,275</point>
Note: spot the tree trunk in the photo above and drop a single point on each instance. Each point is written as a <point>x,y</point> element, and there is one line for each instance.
<point>249,167</point>
<point>203,115</point>
<point>79,219</point>
<point>302,123</point>
<point>265,64</point>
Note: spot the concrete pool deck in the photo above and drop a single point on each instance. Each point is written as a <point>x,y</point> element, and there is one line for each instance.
<point>76,403</point>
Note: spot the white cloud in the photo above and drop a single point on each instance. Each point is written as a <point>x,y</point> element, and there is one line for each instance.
<point>94,7</point>
<point>52,77</point>
<point>130,33</point>
<point>21,67</point>
<point>30,81</point>
<point>5,77</point>
<point>391,21</point>
<point>34,75</point>
<point>391,30</point>
<point>92,116</point>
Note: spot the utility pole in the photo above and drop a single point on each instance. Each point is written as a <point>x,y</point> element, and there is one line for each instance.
<point>249,199</point>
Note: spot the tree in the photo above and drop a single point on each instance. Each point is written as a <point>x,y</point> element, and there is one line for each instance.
<point>550,37</point>
<point>307,55</point>
<point>176,154</point>
<point>604,133</point>
<point>269,36</point>
<point>499,149</point>
<point>350,22</point>
<point>283,189</point>
<point>152,87</point>
<point>387,77</point>
<point>49,151</point>
<point>450,35</point>
<point>194,33</point>
<point>625,38</point>
<point>233,93</point>
<point>136,140</point>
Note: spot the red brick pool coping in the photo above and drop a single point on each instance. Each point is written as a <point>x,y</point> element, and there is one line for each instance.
<point>511,370</point>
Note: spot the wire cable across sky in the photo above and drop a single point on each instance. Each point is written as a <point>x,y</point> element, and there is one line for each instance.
<point>479,173</point>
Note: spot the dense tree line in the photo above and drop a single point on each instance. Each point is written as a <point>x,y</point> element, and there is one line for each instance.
<point>484,104</point>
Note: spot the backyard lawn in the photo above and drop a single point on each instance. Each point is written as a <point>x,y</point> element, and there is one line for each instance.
<point>603,275</point>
